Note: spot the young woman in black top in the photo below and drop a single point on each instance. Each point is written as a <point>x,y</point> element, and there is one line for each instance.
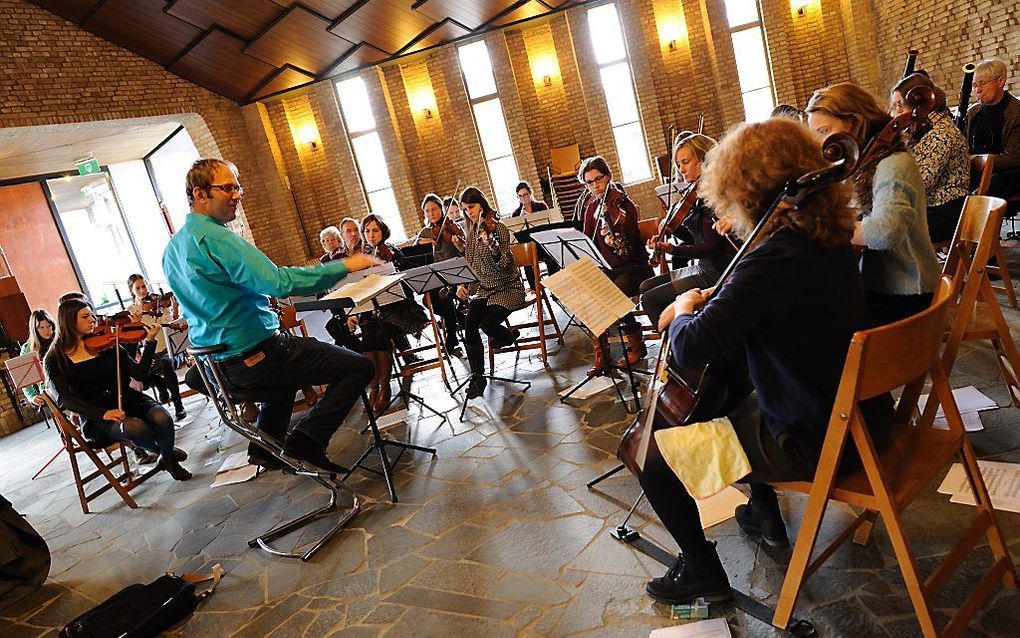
<point>791,306</point>
<point>85,382</point>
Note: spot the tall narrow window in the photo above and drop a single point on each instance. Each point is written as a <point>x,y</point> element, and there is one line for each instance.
<point>752,58</point>
<point>618,86</point>
<point>490,123</point>
<point>356,111</point>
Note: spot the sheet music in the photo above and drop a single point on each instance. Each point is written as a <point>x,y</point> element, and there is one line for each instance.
<point>662,192</point>
<point>711,628</point>
<point>589,295</point>
<point>1001,479</point>
<point>387,268</point>
<point>370,287</point>
<point>25,370</point>
<point>532,220</point>
<point>567,245</point>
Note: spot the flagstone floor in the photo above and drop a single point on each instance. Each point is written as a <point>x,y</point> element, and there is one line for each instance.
<point>496,536</point>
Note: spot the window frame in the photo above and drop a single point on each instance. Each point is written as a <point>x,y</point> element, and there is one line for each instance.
<point>746,26</point>
<point>599,66</point>
<point>397,228</point>
<point>483,99</point>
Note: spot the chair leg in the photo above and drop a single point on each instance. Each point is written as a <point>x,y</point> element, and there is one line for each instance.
<point>552,317</point>
<point>48,463</point>
<point>1007,281</point>
<point>1009,362</point>
<point>77,480</point>
<point>863,533</point>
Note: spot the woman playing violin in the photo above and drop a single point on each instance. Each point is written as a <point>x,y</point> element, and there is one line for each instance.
<point>611,221</point>
<point>899,266</point>
<point>712,250</point>
<point>85,381</point>
<point>160,311</point>
<point>393,322</point>
<point>790,307</point>
<point>448,242</point>
<point>499,291</point>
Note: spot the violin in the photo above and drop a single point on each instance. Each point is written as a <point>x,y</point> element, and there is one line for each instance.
<point>489,227</point>
<point>451,233</point>
<point>682,396</point>
<point>153,304</point>
<point>113,330</point>
<point>606,226</point>
<point>382,251</point>
<point>674,219</point>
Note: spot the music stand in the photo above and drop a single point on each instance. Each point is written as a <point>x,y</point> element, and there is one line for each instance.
<point>567,246</point>
<point>451,272</point>
<point>341,306</point>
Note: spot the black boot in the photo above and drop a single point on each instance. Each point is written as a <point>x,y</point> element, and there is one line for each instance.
<point>476,360</point>
<point>174,468</point>
<point>303,447</point>
<point>762,517</point>
<point>697,574</point>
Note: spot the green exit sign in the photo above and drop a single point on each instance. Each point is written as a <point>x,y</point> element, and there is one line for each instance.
<point>89,167</point>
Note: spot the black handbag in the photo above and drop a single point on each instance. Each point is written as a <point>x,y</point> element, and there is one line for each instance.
<point>142,611</point>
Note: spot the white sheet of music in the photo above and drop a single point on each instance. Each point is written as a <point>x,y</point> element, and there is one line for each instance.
<point>590,295</point>
<point>365,290</point>
<point>1001,479</point>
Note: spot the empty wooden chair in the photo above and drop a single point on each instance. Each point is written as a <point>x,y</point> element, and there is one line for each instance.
<point>981,167</point>
<point>899,355</point>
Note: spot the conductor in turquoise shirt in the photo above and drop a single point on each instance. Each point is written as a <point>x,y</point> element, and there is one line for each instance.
<point>222,284</point>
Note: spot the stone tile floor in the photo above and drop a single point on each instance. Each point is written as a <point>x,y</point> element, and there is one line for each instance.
<point>497,536</point>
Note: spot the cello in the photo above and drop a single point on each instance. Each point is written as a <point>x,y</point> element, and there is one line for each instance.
<point>682,396</point>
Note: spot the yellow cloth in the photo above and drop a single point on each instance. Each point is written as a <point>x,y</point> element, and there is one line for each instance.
<point>706,457</point>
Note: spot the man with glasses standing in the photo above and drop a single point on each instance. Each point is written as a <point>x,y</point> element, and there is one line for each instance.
<point>222,284</point>
<point>611,221</point>
<point>993,126</point>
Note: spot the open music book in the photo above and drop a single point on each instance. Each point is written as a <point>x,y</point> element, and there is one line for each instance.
<point>590,295</point>
<point>532,220</point>
<point>371,287</point>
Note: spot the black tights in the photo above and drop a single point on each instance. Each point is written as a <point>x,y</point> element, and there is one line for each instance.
<point>628,279</point>
<point>488,319</point>
<point>154,433</point>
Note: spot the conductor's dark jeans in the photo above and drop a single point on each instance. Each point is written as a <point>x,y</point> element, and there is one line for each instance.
<point>289,363</point>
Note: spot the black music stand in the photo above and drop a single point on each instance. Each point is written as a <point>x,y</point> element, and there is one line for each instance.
<point>341,307</point>
<point>451,272</point>
<point>566,246</point>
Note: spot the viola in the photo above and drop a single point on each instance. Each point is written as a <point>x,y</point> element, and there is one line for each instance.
<point>382,251</point>
<point>451,233</point>
<point>153,304</point>
<point>488,225</point>
<point>682,396</point>
<point>606,225</point>
<point>672,221</point>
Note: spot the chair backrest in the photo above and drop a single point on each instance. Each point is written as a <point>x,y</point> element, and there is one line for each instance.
<point>648,228</point>
<point>981,167</point>
<point>526,256</point>
<point>662,163</point>
<point>974,240</point>
<point>566,160</point>
<point>886,358</point>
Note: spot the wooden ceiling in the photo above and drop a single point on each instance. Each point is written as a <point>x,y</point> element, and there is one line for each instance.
<point>249,49</point>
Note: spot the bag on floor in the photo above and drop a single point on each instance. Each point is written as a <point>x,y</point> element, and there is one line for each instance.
<point>139,611</point>
<point>24,556</point>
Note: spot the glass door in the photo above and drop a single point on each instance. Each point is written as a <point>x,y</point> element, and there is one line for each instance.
<point>97,236</point>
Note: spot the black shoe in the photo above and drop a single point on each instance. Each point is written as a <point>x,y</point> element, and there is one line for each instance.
<point>511,338</point>
<point>476,387</point>
<point>174,468</point>
<point>267,461</point>
<point>304,448</point>
<point>759,518</point>
<point>696,576</point>
<point>180,414</point>
<point>180,455</point>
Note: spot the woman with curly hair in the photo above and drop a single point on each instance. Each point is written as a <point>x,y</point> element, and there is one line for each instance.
<point>899,267</point>
<point>790,307</point>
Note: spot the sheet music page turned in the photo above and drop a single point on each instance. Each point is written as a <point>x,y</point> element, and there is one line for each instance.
<point>590,295</point>
<point>366,289</point>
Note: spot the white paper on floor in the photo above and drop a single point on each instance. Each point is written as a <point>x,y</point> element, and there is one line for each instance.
<point>1001,479</point>
<point>391,419</point>
<point>711,628</point>
<point>718,508</point>
<point>590,389</point>
<point>971,422</point>
<point>235,469</point>
<point>968,399</point>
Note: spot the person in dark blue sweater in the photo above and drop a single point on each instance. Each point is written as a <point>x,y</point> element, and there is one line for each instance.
<point>791,306</point>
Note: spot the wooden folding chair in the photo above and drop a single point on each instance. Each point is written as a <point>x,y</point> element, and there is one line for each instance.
<point>74,443</point>
<point>974,313</point>
<point>899,355</point>
<point>548,329</point>
<point>981,167</point>
<point>439,359</point>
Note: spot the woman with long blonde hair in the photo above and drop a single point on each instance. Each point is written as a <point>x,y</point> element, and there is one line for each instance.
<point>41,330</point>
<point>789,308</point>
<point>899,266</point>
